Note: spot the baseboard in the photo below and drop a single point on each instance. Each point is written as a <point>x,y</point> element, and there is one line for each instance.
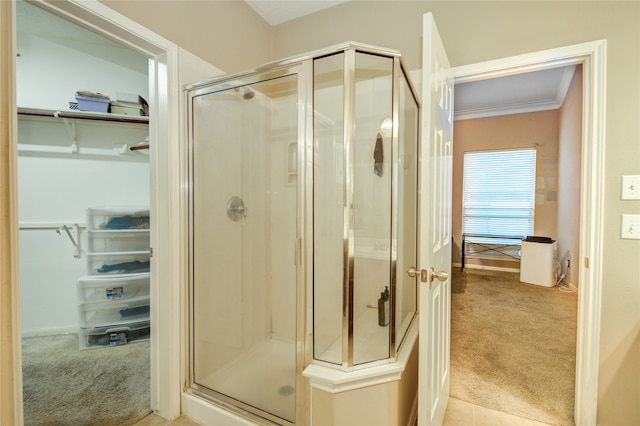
<point>413,416</point>
<point>569,285</point>
<point>49,332</point>
<point>485,267</point>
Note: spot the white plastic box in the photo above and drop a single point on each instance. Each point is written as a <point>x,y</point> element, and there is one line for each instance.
<point>537,263</point>
<point>113,335</point>
<point>105,264</point>
<point>92,289</point>
<point>126,108</point>
<point>126,218</point>
<point>108,241</point>
<point>113,313</point>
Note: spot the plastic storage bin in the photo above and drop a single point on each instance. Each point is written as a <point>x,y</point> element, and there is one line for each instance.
<point>118,241</point>
<point>537,261</point>
<point>113,313</point>
<point>126,108</point>
<point>105,264</point>
<point>86,103</point>
<point>117,288</point>
<point>117,218</point>
<point>113,335</point>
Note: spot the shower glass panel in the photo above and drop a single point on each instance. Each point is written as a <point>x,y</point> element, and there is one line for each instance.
<point>371,172</point>
<point>365,201</point>
<point>328,220</point>
<point>243,275</point>
<point>407,197</point>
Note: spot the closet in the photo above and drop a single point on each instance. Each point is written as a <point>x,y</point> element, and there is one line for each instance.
<point>70,161</point>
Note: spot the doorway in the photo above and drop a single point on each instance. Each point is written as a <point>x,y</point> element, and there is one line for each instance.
<point>76,171</point>
<point>162,67</point>
<point>592,58</point>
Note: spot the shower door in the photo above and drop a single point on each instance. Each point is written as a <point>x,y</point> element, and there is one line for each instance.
<point>243,292</point>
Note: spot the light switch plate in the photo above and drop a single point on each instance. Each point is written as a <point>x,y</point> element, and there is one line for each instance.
<point>630,227</point>
<point>630,187</point>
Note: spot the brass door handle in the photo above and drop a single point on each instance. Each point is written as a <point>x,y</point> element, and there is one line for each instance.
<point>442,276</point>
<point>416,272</point>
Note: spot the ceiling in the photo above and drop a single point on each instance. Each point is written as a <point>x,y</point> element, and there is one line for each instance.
<point>514,94</point>
<point>278,11</point>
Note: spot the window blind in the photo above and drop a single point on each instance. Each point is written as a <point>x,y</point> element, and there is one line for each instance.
<point>498,192</point>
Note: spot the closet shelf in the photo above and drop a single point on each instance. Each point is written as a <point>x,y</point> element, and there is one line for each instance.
<point>83,115</point>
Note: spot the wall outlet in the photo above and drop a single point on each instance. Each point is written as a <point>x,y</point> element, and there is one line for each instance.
<point>630,227</point>
<point>630,187</point>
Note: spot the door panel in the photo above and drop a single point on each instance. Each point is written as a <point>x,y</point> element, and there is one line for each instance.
<point>435,229</point>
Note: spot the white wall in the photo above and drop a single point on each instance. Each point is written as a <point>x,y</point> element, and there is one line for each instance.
<point>55,187</point>
<point>57,58</point>
<point>57,190</point>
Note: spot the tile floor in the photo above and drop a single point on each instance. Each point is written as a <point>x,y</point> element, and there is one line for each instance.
<point>459,413</point>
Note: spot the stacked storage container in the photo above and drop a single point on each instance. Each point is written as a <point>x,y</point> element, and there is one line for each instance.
<point>113,298</point>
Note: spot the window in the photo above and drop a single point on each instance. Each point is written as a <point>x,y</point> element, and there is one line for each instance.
<point>498,192</point>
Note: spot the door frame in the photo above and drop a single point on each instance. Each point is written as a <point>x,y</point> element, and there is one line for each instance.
<point>166,194</point>
<point>593,58</point>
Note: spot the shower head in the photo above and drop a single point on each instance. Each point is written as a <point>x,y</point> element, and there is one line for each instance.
<point>247,93</point>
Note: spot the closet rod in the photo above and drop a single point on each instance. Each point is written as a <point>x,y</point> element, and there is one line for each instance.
<point>36,226</point>
<point>83,115</point>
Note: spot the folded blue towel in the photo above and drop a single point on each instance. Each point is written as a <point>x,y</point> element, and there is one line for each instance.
<point>124,267</point>
<point>127,222</point>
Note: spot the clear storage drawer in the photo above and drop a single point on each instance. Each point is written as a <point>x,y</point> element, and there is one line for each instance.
<point>103,241</point>
<point>113,335</point>
<point>118,263</point>
<point>117,218</point>
<point>113,313</point>
<point>114,288</point>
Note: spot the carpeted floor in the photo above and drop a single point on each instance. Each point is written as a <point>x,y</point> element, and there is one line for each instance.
<point>513,345</point>
<point>65,386</point>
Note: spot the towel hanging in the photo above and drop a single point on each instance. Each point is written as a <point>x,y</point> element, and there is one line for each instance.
<point>378,155</point>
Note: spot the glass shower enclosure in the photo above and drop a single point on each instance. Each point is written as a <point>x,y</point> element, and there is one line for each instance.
<point>302,225</point>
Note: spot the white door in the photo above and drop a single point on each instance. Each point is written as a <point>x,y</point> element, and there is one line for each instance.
<point>435,227</point>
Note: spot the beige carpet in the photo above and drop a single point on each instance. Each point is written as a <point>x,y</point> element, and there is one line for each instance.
<point>66,386</point>
<point>513,345</point>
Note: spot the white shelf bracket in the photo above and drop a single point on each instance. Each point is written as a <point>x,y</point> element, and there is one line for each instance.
<point>73,236</point>
<point>70,124</point>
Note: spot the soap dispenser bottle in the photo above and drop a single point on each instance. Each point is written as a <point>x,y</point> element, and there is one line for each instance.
<point>383,308</point>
